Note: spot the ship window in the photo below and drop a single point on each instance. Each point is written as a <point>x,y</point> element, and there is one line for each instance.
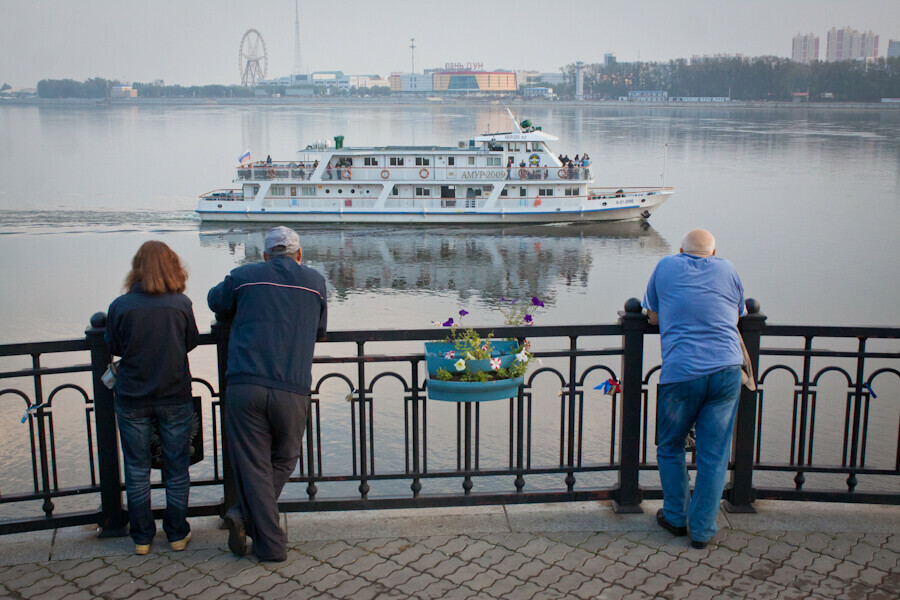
<point>255,189</point>
<point>522,192</point>
<point>503,193</point>
<point>537,147</point>
<point>493,161</point>
<point>293,190</point>
<point>471,161</point>
<point>327,190</point>
<point>277,190</point>
<point>396,161</point>
<point>545,191</point>
<point>515,147</point>
<point>423,191</point>
<point>423,161</point>
<point>572,191</point>
<point>395,190</point>
<point>308,190</point>
<point>370,162</point>
<point>451,161</point>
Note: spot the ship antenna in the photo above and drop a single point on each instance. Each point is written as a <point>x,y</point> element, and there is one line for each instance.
<point>515,124</point>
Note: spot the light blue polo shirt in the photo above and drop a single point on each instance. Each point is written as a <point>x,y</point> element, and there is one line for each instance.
<point>699,300</point>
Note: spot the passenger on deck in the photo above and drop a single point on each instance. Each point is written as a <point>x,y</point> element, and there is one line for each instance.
<point>269,161</point>
<point>509,164</point>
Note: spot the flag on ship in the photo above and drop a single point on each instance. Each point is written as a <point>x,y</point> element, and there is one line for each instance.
<point>244,158</point>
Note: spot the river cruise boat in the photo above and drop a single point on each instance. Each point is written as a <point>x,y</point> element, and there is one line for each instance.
<point>511,177</point>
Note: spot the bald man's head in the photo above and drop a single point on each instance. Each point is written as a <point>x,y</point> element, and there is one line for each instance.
<point>698,242</point>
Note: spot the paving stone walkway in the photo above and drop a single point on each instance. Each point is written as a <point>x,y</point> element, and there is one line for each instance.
<point>531,552</point>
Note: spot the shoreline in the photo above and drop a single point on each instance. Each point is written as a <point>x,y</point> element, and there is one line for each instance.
<point>435,100</point>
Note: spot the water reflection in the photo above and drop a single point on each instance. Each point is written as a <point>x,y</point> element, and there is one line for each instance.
<point>493,262</point>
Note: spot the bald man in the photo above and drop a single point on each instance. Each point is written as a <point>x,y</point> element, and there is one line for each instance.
<point>696,299</point>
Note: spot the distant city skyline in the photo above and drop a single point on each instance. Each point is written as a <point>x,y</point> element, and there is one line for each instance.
<point>197,42</point>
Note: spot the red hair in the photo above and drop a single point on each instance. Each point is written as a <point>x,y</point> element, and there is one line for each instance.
<point>158,269</point>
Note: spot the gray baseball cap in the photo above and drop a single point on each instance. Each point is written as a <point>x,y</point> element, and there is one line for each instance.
<point>282,240</point>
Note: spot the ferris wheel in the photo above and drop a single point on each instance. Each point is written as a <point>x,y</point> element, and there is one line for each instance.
<point>253,62</point>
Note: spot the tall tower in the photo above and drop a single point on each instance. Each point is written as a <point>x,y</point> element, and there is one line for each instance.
<point>298,64</point>
<point>579,81</point>
<point>412,49</point>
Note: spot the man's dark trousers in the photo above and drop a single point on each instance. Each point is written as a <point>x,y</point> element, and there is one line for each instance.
<point>265,428</point>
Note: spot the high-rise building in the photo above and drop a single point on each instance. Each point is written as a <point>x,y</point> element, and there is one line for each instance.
<point>805,48</point>
<point>893,50</point>
<point>849,44</point>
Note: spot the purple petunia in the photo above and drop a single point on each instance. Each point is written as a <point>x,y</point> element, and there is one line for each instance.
<point>537,302</point>
<point>528,319</point>
<point>448,322</point>
<point>463,313</point>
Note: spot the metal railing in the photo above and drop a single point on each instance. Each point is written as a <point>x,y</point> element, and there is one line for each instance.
<point>558,440</point>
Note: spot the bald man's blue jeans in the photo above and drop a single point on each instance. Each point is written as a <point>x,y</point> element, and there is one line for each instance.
<point>709,403</point>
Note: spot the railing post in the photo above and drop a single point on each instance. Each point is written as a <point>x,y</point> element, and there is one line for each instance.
<point>740,494</point>
<point>628,494</point>
<point>112,517</point>
<point>220,332</point>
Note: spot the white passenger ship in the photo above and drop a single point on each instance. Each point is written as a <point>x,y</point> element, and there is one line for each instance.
<point>509,177</point>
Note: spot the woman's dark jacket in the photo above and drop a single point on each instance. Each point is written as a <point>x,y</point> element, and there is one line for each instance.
<point>152,334</point>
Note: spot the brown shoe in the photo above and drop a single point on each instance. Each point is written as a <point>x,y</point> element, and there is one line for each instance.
<point>237,534</point>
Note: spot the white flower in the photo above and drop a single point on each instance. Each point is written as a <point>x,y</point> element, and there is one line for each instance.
<point>449,354</point>
<point>460,365</point>
<point>522,357</point>
<point>469,356</point>
<point>437,324</point>
<point>495,364</point>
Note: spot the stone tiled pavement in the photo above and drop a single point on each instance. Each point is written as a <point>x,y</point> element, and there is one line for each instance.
<point>787,550</point>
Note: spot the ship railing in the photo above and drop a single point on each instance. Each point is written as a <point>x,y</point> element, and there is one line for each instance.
<point>277,170</point>
<point>822,425</point>
<point>227,195</point>
<point>409,174</point>
<point>603,193</point>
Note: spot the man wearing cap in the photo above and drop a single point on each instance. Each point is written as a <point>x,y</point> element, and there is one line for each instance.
<point>277,311</point>
<point>696,299</point>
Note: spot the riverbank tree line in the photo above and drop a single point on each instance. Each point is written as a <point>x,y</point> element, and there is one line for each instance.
<point>759,78</point>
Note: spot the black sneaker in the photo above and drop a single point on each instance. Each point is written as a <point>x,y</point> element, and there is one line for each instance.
<point>237,534</point>
<point>674,530</point>
<point>697,544</point>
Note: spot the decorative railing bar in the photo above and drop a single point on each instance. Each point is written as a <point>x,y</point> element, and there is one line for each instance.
<point>572,440</point>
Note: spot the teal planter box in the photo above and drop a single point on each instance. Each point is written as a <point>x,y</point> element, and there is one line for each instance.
<point>434,357</point>
<point>473,391</point>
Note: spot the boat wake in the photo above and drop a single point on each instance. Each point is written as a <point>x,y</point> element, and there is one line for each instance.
<point>47,222</point>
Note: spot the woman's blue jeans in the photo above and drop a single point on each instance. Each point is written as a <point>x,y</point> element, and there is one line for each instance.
<point>175,422</point>
<point>711,403</point>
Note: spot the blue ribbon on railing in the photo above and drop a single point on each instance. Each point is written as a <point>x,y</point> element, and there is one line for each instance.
<point>31,410</point>
<point>871,393</point>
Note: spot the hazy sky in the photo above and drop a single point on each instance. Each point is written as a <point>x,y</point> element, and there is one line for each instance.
<point>198,41</point>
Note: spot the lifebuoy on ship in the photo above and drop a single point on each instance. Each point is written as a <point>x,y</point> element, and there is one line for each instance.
<point>523,173</point>
<point>562,173</point>
<point>345,174</point>
<point>423,173</point>
<point>385,173</point>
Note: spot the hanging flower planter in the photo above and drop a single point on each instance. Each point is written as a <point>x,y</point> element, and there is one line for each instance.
<point>469,368</point>
<point>473,391</point>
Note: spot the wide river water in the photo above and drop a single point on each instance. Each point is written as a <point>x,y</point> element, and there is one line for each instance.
<point>804,203</point>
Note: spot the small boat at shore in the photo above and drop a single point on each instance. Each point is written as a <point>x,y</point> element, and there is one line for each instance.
<point>511,177</point>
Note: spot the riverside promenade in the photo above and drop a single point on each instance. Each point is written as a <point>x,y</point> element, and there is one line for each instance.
<point>786,550</point>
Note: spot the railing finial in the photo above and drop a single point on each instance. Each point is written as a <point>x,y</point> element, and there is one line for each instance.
<point>752,306</point>
<point>98,320</point>
<point>633,305</point>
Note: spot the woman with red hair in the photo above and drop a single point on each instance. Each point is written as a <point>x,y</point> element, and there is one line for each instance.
<point>152,327</point>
